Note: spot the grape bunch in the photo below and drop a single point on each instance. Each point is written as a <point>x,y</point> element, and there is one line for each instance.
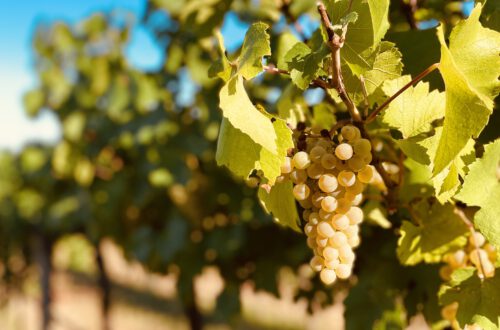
<point>329,175</point>
<point>477,253</point>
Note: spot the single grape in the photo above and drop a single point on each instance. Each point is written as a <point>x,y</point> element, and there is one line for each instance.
<point>365,175</point>
<point>301,160</point>
<point>343,205</point>
<point>329,204</point>
<point>352,230</point>
<point>355,215</point>
<point>314,218</point>
<point>315,171</point>
<point>327,183</point>
<point>445,272</point>
<point>287,166</point>
<point>337,240</point>
<point>356,188</point>
<point>327,276</point>
<point>328,161</point>
<point>357,199</point>
<point>476,255</point>
<point>298,176</point>
<point>346,178</point>
<point>346,255</point>
<point>324,143</point>
<point>332,264</point>
<point>350,132</point>
<point>344,151</point>
<point>477,238</point>
<point>316,263</point>
<point>311,242</point>
<point>325,229</point>
<point>356,163</point>
<point>449,312</point>
<point>316,199</point>
<point>316,153</point>
<point>310,230</point>
<point>301,191</point>
<point>330,253</point>
<point>306,203</point>
<point>343,271</point>
<point>340,222</point>
<point>324,215</point>
<point>321,241</point>
<point>353,241</point>
<point>390,168</point>
<point>361,147</point>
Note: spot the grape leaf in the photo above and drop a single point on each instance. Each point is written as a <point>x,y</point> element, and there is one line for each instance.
<point>305,64</point>
<point>415,109</point>
<point>386,65</point>
<point>243,115</point>
<point>281,204</point>
<point>482,188</point>
<point>222,67</point>
<point>478,300</point>
<point>365,33</point>
<point>439,231</point>
<point>255,45</point>
<point>240,154</point>
<point>286,42</point>
<point>469,91</point>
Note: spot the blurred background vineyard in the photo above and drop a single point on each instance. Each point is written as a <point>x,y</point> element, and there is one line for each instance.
<point>113,213</point>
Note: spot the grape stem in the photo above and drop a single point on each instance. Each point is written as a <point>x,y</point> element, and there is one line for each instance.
<point>336,42</point>
<point>419,77</point>
<point>470,226</point>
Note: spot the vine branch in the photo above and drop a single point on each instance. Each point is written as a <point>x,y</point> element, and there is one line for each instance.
<point>419,77</point>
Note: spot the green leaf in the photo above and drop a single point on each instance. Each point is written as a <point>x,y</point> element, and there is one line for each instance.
<point>469,91</point>
<point>255,46</point>
<point>281,204</point>
<point>222,67</point>
<point>323,116</point>
<point>240,154</point>
<point>291,105</point>
<point>286,42</point>
<point>243,115</point>
<point>305,64</point>
<point>439,231</point>
<point>415,109</point>
<point>478,300</point>
<point>365,33</point>
<point>376,214</point>
<point>386,65</point>
<point>482,188</point>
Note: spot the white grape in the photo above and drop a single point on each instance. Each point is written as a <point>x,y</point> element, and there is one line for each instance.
<point>343,205</point>
<point>332,264</point>
<point>477,238</point>
<point>328,161</point>
<point>329,204</point>
<point>321,241</point>
<point>338,239</point>
<point>311,243</point>
<point>327,183</point>
<point>343,271</point>
<point>346,255</point>
<point>353,241</point>
<point>325,229</point>
<point>306,203</point>
<point>344,151</point>
<point>330,253</point>
<point>340,222</point>
<point>287,166</point>
<point>356,163</point>
<point>316,199</point>
<point>356,188</point>
<point>352,230</point>
<point>316,263</point>
<point>355,215</point>
<point>301,192</point>
<point>314,218</point>
<point>357,199</point>
<point>324,215</point>
<point>301,160</point>
<point>327,276</point>
<point>346,178</point>
<point>365,175</point>
<point>310,230</point>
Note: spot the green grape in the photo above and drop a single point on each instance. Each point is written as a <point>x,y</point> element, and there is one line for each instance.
<point>315,171</point>
<point>346,255</point>
<point>330,253</point>
<point>327,276</point>
<point>344,151</point>
<point>321,241</point>
<point>350,132</point>
<point>316,153</point>
<point>325,215</point>
<point>356,188</point>
<point>298,176</point>
<point>356,163</point>
<point>314,218</point>
<point>310,230</point>
<point>301,191</point>
<point>355,215</point>
<point>316,199</point>
<point>351,231</point>
<point>353,241</point>
<point>361,147</point>
<point>301,160</point>
<point>328,161</point>
<point>477,238</point>
<point>338,240</point>
<point>340,222</point>
<point>316,263</point>
<point>343,205</point>
<point>332,264</point>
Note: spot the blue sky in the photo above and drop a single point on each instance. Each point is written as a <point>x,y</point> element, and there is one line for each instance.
<point>18,20</point>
